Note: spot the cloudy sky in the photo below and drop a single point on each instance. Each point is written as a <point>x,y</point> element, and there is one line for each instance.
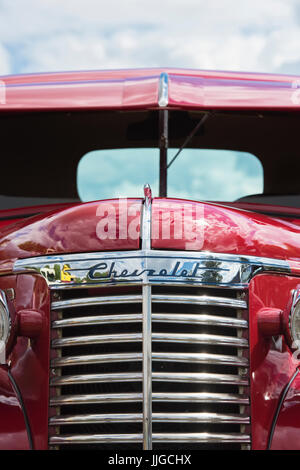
<point>196,174</point>
<point>50,35</point>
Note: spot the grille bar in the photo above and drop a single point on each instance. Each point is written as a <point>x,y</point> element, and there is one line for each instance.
<point>200,300</point>
<point>202,358</point>
<point>158,337</point>
<point>156,317</point>
<point>90,301</point>
<point>156,376</point>
<point>204,438</point>
<point>156,417</point>
<point>156,397</point>
<point>129,299</point>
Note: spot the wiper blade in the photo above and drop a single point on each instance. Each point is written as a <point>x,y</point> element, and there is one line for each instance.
<point>189,137</point>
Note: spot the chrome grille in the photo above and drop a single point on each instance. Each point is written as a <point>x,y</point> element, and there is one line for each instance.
<point>199,360</point>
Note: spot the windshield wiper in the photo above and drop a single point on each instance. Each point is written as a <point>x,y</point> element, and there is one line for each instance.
<point>163,148</point>
<point>189,138</point>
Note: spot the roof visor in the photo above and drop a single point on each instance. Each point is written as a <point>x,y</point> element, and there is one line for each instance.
<point>180,89</point>
<point>133,93</point>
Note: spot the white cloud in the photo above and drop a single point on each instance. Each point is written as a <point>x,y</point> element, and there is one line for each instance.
<point>196,174</point>
<point>221,34</point>
<point>4,61</point>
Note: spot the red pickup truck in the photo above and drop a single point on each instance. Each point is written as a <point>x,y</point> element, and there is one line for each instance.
<point>149,260</point>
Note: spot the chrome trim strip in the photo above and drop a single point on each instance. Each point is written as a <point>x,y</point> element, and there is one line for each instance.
<point>96,339</point>
<point>201,377</point>
<point>147,369</point>
<point>202,397</point>
<point>203,438</point>
<point>98,320</point>
<point>132,299</point>
<point>199,319</point>
<point>151,267</point>
<point>201,338</point>
<point>146,219</point>
<point>197,358</point>
<point>193,318</point>
<point>96,398</point>
<point>201,418</point>
<point>191,338</point>
<point>96,419</point>
<point>96,378</point>
<point>89,301</point>
<point>95,439</point>
<point>147,326</point>
<point>95,359</point>
<point>191,377</point>
<point>201,358</point>
<point>199,300</point>
<point>213,418</point>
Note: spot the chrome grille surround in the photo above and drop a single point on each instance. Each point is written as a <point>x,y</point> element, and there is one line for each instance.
<point>224,393</point>
<point>155,284</point>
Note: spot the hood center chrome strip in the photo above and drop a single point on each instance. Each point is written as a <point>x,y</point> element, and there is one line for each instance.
<point>147,328</point>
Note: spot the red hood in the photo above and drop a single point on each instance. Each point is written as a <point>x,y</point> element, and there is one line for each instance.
<point>204,227</point>
<point>220,229</point>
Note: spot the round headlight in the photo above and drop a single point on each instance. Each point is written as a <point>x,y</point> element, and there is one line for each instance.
<point>294,324</point>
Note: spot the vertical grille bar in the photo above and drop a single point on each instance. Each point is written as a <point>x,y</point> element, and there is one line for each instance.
<point>147,369</point>
<point>147,328</point>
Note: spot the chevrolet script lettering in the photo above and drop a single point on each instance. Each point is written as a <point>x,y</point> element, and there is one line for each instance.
<point>149,267</point>
<point>106,271</point>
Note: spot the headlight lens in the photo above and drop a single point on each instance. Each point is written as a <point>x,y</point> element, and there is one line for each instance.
<point>4,323</point>
<point>294,324</point>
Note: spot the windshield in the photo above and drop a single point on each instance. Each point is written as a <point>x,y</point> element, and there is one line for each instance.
<point>199,174</point>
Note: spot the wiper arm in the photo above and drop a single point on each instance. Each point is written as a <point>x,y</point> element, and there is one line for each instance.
<point>189,137</point>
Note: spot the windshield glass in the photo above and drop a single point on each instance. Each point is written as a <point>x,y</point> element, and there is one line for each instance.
<point>199,174</point>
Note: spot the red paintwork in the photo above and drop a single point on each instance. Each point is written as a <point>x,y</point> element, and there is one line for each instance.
<point>10,216</point>
<point>225,230</point>
<point>71,230</point>
<point>218,229</point>
<point>30,323</point>
<point>271,366</point>
<point>269,321</point>
<point>127,89</point>
<point>30,358</point>
<point>287,430</point>
<point>280,211</point>
<point>13,434</point>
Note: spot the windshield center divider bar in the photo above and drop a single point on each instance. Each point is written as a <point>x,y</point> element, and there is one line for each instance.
<point>163,151</point>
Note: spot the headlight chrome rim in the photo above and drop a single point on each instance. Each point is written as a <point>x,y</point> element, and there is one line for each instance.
<point>294,338</point>
<point>5,315</point>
